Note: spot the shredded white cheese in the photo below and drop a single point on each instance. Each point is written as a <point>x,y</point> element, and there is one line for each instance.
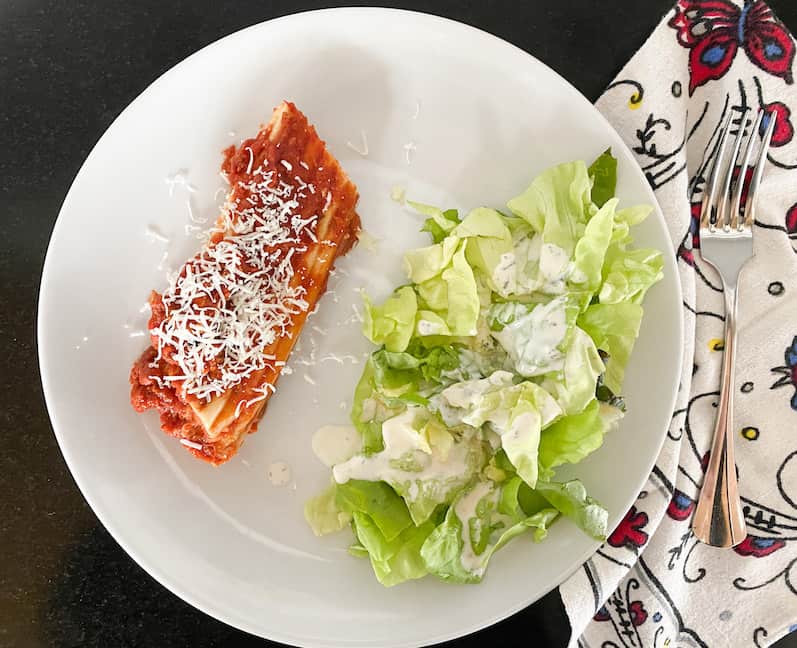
<point>155,234</point>
<point>191,216</point>
<point>191,444</point>
<point>231,302</point>
<point>179,179</point>
<point>162,262</point>
<point>363,148</point>
<point>409,148</point>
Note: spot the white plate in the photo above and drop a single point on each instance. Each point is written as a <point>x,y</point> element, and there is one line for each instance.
<point>459,118</point>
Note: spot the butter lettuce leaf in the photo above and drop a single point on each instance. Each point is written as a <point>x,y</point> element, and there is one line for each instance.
<point>572,438</point>
<point>571,499</point>
<point>557,204</point>
<point>394,560</point>
<point>440,222</point>
<point>421,462</point>
<point>629,274</point>
<point>501,360</point>
<point>603,172</point>
<point>515,412</point>
<point>475,527</point>
<point>614,329</point>
<point>574,386</point>
<point>590,251</point>
<point>323,514</point>
<point>393,322</point>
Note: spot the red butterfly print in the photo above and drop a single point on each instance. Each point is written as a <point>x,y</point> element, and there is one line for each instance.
<point>681,506</point>
<point>714,30</point>
<point>637,612</point>
<point>784,131</point>
<point>629,532</point>
<point>791,220</point>
<point>758,547</point>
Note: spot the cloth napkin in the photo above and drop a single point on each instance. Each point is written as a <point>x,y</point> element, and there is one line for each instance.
<point>652,583</point>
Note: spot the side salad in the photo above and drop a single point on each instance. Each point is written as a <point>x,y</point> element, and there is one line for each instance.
<point>502,358</point>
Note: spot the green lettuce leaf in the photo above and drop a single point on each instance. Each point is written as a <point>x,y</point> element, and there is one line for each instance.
<point>370,408</point>
<point>450,299</point>
<point>429,324</point>
<point>571,499</point>
<point>624,220</point>
<point>394,373</point>
<point>572,438</point>
<point>614,329</point>
<point>517,413</point>
<point>440,223</point>
<point>603,172</point>
<point>376,499</point>
<point>422,264</point>
<point>489,377</point>
<point>574,387</point>
<point>628,274</point>
<point>488,240</point>
<point>591,248</point>
<point>417,364</point>
<point>323,514</point>
<point>557,204</point>
<point>483,222</point>
<point>421,462</point>
<point>392,323</point>
<point>396,560</point>
<point>463,297</point>
<point>475,527</point>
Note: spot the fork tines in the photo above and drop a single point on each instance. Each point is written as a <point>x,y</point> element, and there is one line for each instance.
<point>726,205</point>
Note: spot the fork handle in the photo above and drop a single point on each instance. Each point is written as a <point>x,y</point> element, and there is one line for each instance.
<point>719,518</point>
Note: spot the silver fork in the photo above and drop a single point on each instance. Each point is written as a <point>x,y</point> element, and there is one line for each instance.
<point>726,243</point>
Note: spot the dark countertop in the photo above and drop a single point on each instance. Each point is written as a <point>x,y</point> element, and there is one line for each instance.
<point>66,71</point>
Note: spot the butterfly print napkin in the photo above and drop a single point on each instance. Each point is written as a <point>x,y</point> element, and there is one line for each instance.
<point>652,584</point>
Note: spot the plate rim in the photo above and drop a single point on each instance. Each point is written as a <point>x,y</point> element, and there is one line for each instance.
<point>151,567</point>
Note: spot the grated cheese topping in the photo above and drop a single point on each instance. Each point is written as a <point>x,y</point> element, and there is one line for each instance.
<point>228,304</point>
<point>409,148</point>
<point>363,148</point>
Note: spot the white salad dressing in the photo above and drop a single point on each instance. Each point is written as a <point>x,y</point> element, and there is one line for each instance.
<point>534,266</point>
<point>460,396</point>
<point>425,327</point>
<point>279,473</point>
<point>554,263</point>
<point>505,274</point>
<point>368,410</point>
<point>521,431</point>
<point>465,509</point>
<point>406,445</point>
<point>532,340</point>
<point>334,444</point>
<point>518,433</point>
<point>465,393</point>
